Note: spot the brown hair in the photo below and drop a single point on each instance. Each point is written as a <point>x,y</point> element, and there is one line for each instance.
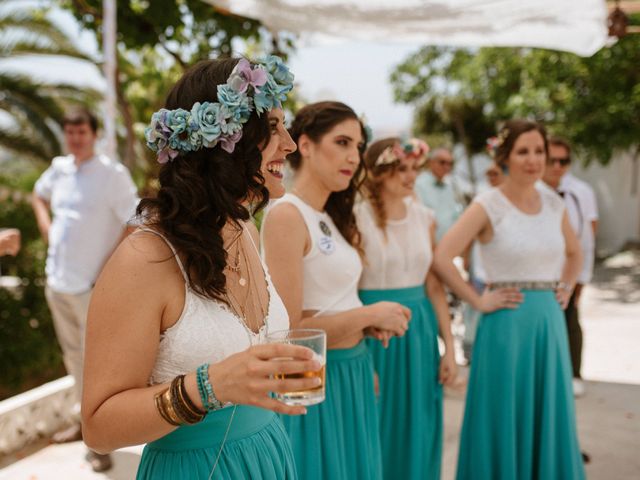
<point>315,120</point>
<point>80,116</point>
<point>373,180</point>
<point>510,132</point>
<point>560,142</point>
<point>201,191</point>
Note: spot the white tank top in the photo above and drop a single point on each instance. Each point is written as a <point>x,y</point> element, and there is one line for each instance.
<point>208,331</point>
<point>524,247</point>
<point>403,258</point>
<point>332,267</point>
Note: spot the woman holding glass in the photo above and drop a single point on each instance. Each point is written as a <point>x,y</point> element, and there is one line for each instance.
<point>519,420</point>
<point>311,245</point>
<point>398,237</point>
<point>174,353</point>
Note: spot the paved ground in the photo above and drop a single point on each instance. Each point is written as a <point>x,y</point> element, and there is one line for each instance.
<point>608,416</point>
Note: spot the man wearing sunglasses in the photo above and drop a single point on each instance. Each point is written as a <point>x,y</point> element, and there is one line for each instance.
<point>583,214</point>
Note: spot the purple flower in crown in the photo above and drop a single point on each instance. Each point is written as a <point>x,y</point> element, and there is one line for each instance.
<point>228,142</point>
<point>158,134</point>
<point>243,75</point>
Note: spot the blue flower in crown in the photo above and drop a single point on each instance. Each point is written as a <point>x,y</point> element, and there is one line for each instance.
<point>208,117</point>
<point>237,103</point>
<point>277,68</point>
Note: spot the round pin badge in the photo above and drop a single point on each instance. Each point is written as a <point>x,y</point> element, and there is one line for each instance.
<point>326,245</point>
<point>324,228</point>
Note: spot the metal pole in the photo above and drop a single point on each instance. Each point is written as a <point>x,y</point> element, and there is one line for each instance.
<point>110,99</point>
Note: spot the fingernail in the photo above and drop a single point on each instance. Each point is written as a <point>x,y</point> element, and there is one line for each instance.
<point>317,381</point>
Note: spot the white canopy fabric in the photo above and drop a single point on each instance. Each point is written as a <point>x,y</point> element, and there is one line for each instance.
<point>577,26</point>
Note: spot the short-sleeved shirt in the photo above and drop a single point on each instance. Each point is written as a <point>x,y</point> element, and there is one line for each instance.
<point>582,193</point>
<point>91,204</point>
<point>439,196</point>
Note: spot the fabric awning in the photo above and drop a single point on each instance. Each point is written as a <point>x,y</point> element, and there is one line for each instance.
<point>577,26</point>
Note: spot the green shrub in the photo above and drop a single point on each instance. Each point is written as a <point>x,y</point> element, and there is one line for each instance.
<point>29,352</point>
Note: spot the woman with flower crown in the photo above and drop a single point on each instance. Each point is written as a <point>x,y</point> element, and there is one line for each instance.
<point>173,349</point>
<point>398,237</point>
<point>519,420</point>
<point>312,248</point>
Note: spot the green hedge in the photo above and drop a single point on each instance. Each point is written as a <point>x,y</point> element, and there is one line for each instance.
<point>29,352</point>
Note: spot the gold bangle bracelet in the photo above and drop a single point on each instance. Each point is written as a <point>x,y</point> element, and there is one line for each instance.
<point>161,409</point>
<point>166,402</point>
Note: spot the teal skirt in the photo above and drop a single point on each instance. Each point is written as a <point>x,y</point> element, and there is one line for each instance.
<point>257,447</point>
<point>519,420</point>
<point>338,438</point>
<point>410,403</point>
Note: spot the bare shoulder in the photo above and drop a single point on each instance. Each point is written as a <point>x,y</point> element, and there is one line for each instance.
<point>142,264</point>
<point>285,217</point>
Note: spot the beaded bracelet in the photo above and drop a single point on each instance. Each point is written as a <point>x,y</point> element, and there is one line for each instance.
<point>208,397</point>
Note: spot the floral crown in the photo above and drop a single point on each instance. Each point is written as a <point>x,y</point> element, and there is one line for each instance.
<point>493,143</point>
<point>411,148</point>
<point>260,87</point>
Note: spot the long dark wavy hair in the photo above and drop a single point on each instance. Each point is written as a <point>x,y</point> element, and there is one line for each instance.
<point>315,120</point>
<point>200,192</point>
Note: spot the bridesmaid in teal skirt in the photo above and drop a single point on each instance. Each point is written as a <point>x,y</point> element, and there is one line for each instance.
<point>175,349</point>
<point>519,420</point>
<point>397,235</point>
<point>311,245</point>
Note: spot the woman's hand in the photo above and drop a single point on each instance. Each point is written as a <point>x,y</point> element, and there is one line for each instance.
<point>382,335</point>
<point>448,370</point>
<point>492,300</point>
<point>248,377</point>
<point>389,316</point>
<point>563,295</point>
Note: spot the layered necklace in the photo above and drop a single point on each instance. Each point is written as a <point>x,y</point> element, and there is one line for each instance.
<point>252,294</point>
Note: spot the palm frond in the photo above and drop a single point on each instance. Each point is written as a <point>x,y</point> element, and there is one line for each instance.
<point>23,144</point>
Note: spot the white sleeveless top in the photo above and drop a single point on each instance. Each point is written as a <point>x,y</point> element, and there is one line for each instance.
<point>524,247</point>
<point>402,259</point>
<point>331,268</point>
<point>208,331</point>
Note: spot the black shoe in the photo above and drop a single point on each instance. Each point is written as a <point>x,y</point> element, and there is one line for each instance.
<point>585,457</point>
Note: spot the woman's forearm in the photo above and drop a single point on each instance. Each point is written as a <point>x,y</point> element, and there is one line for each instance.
<point>438,299</point>
<point>448,273</point>
<point>340,326</point>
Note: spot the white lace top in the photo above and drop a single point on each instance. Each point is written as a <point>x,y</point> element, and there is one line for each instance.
<point>332,267</point>
<point>208,331</point>
<point>524,247</point>
<point>403,258</point>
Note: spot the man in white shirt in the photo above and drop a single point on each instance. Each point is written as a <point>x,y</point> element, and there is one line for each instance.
<point>91,198</point>
<point>436,191</point>
<point>583,215</point>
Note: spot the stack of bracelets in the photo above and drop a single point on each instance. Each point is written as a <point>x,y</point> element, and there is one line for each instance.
<point>175,406</point>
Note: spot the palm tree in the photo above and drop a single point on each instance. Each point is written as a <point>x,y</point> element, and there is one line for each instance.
<point>35,108</point>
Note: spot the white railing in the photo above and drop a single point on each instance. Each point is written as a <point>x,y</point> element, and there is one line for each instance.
<point>36,414</point>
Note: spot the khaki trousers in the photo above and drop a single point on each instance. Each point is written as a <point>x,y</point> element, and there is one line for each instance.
<point>69,314</point>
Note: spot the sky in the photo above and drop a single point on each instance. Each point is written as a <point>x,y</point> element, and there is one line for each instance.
<point>356,73</point>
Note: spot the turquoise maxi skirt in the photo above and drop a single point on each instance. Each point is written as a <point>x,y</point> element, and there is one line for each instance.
<point>338,439</point>
<point>519,420</point>
<point>410,403</point>
<point>257,447</point>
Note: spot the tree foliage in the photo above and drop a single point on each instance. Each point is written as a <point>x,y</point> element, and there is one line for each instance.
<point>35,108</point>
<point>157,41</point>
<point>594,102</point>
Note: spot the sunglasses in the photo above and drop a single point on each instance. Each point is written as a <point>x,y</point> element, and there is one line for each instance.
<point>445,163</point>
<point>564,161</point>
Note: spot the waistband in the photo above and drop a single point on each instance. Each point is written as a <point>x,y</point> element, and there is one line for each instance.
<point>338,354</point>
<point>525,285</point>
<point>210,431</point>
<point>400,295</point>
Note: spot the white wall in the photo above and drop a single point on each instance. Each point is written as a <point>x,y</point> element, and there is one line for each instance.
<point>619,206</point>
